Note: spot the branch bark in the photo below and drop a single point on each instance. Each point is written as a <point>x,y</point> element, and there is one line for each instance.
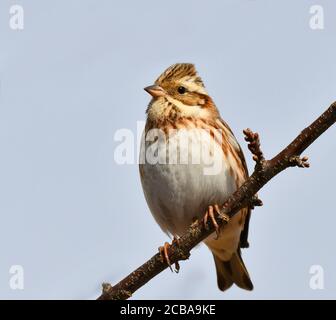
<point>264,171</point>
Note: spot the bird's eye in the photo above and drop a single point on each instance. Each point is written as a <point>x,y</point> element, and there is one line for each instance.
<point>181,90</point>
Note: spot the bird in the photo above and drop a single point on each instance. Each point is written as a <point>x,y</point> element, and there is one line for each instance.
<point>182,185</point>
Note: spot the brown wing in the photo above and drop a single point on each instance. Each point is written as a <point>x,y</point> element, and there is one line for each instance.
<point>244,234</point>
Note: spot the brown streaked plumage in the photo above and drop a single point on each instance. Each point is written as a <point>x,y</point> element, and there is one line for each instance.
<point>179,192</point>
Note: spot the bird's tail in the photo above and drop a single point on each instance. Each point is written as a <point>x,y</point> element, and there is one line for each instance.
<point>232,271</point>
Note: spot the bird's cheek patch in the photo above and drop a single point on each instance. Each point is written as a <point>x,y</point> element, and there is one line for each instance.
<point>191,99</point>
<point>201,102</point>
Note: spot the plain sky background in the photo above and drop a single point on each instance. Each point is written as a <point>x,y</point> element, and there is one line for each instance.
<point>73,218</point>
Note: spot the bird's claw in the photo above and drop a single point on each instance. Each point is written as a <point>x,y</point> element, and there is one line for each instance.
<point>164,254</point>
<point>210,214</point>
<point>163,250</point>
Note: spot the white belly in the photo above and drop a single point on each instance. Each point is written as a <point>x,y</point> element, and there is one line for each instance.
<point>178,193</point>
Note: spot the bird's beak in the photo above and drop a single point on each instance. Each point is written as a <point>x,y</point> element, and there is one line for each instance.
<point>155,91</point>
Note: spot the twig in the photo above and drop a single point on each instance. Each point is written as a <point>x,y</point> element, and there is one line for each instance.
<point>254,145</point>
<point>264,171</point>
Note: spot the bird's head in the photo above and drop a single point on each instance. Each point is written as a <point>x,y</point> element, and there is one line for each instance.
<point>180,92</point>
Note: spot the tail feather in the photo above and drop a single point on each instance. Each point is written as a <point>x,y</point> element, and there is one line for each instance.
<point>232,271</point>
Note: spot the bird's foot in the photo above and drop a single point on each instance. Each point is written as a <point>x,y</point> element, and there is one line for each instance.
<point>165,256</point>
<point>210,213</point>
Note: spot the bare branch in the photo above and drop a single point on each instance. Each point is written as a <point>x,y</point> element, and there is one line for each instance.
<point>254,145</point>
<point>245,196</point>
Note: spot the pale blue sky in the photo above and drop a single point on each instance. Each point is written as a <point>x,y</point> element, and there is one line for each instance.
<point>73,218</point>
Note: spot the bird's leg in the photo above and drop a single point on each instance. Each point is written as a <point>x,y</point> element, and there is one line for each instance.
<point>210,214</point>
<point>164,254</point>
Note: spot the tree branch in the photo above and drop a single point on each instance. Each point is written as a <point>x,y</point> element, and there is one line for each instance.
<point>264,171</point>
